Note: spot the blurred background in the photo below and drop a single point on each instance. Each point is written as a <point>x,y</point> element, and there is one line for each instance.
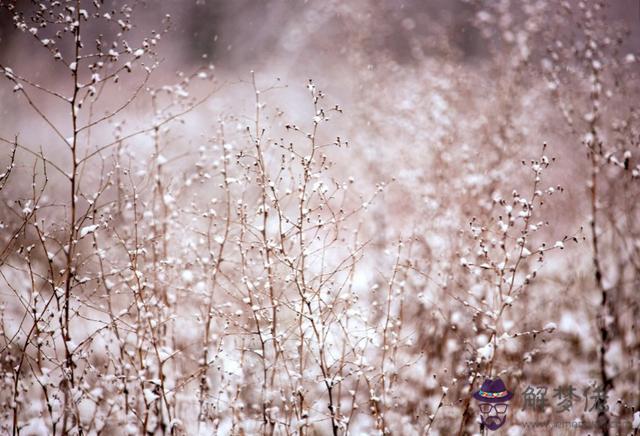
<point>441,102</point>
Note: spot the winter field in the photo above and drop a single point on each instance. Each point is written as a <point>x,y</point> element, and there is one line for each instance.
<point>289,217</point>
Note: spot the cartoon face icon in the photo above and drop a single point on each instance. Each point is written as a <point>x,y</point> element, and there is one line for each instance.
<point>493,399</point>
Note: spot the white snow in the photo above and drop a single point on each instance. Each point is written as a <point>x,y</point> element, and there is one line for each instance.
<point>486,352</point>
<point>88,230</point>
<point>187,276</point>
